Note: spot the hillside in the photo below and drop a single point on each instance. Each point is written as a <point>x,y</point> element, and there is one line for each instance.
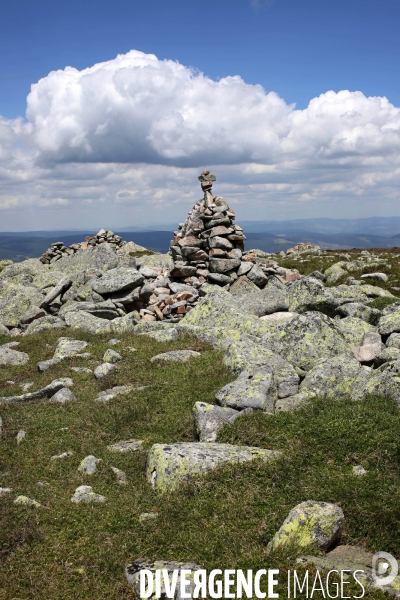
<point>309,361</point>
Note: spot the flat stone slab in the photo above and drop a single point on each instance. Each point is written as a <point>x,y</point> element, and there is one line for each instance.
<point>169,465</point>
<point>278,317</point>
<point>162,335</point>
<point>45,392</point>
<point>175,356</point>
<point>116,280</point>
<point>111,393</point>
<point>10,357</point>
<point>61,286</point>
<point>69,347</point>
<point>126,446</point>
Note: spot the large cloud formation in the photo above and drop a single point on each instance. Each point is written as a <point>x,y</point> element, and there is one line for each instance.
<point>133,131</point>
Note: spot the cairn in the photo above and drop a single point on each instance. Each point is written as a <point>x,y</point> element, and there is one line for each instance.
<point>58,250</point>
<point>208,245</point>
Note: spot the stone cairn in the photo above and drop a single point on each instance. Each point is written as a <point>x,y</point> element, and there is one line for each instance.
<point>208,245</point>
<point>58,250</point>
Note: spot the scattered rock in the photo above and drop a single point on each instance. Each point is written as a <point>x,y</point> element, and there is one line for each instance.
<point>378,276</point>
<point>103,370</point>
<point>4,491</point>
<point>120,475</point>
<point>10,357</point>
<point>88,465</point>
<point>110,356</point>
<point>126,446</point>
<point>25,501</point>
<point>175,356</point>
<point>63,396</point>
<point>46,392</point>
<point>62,455</point>
<point>84,493</point>
<point>209,419</point>
<point>309,524</point>
<point>359,470</point>
<point>111,393</point>
<point>21,435</point>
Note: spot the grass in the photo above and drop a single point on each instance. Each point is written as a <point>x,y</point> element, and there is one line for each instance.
<point>224,520</point>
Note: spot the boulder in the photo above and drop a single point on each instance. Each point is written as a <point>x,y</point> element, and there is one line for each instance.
<point>361,311</point>
<point>15,300</point>
<point>354,329</point>
<point>63,396</point>
<point>87,322</point>
<point>88,465</point>
<point>69,347</point>
<point>61,287</point>
<point>309,524</point>
<point>242,285</point>
<point>10,357</point>
<point>257,390</point>
<point>49,322</point>
<point>169,465</point>
<point>117,280</point>
<point>336,377</point>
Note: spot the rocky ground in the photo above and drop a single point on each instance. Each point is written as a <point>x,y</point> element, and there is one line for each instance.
<point>150,416</point>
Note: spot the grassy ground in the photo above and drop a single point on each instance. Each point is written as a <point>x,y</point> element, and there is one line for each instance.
<point>68,551</point>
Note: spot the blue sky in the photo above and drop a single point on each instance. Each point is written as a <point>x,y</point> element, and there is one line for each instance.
<point>297,49</point>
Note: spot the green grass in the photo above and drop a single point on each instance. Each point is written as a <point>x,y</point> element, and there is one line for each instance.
<point>224,520</point>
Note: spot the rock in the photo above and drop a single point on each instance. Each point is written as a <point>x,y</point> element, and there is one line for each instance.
<point>117,280</point>
<point>334,273</point>
<point>278,317</point>
<point>378,276</point>
<point>359,470</point>
<point>81,370</point>
<point>103,370</point>
<point>87,322</point>
<point>393,341</point>
<point>49,322</point>
<point>4,491</point>
<point>62,285</point>
<point>88,465</point>
<point>169,465</point>
<point>84,493</point>
<point>257,390</point>
<point>32,314</point>
<point>111,393</point>
<point>307,338</point>
<point>133,570</point>
<point>162,335</point>
<point>309,524</point>
<point>148,272</point>
<point>389,323</point>
<point>62,455</point>
<point>121,475</point>
<point>10,357</point>
<point>102,309</point>
<point>219,279</point>
<point>354,329</point>
<point>243,285</point>
<point>387,355</point>
<point>292,402</point>
<point>125,324</point>
<point>265,302</point>
<point>373,291</point>
<point>367,353</point>
<point>209,419</point>
<point>257,276</point>
<point>4,330</point>
<point>45,392</point>
<point>44,365</point>
<point>336,377</point>
<point>224,265</point>
<point>21,435</point>
<point>25,501</point>
<point>63,396</point>
<point>359,310</point>
<point>113,342</point>
<point>147,516</point>
<point>126,446</point>
<point>27,386</point>
<point>15,300</point>
<point>110,356</point>
<point>175,356</point>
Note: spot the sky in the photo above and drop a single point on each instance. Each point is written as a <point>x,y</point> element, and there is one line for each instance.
<point>109,110</point>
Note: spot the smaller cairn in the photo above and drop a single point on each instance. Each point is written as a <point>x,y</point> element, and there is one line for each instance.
<point>58,250</point>
<point>208,246</point>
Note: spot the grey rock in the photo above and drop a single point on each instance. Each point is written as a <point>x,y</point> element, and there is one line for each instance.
<point>117,390</point>
<point>148,272</point>
<point>69,347</point>
<point>336,377</point>
<point>4,491</point>
<point>169,465</point>
<point>110,356</point>
<point>88,465</point>
<point>25,501</point>
<point>175,356</point>
<point>45,392</point>
<point>292,402</point>
<point>61,287</point>
<point>265,302</point>
<point>116,280</point>
<point>162,334</point>
<point>43,323</point>
<point>245,267</point>
<point>257,390</point>
<point>355,329</point>
<point>389,323</point>
<point>278,317</point>
<point>133,575</point>
<point>44,365</point>
<point>4,330</point>
<point>378,276</point>
<point>87,322</point>
<point>209,419</point>
<point>21,435</point>
<point>15,300</point>
<point>359,470</point>
<point>393,341</point>
<point>113,342</point>
<point>241,286</point>
<point>103,370</point>
<point>10,357</point>
<point>386,355</point>
<point>220,242</point>
<point>223,265</point>
<point>84,493</point>
<point>257,276</point>
<point>124,446</point>
<point>81,370</point>
<point>32,314</point>
<point>63,396</point>
<point>120,475</point>
<point>219,278</point>
<point>62,455</point>
<point>359,310</point>
<point>94,259</point>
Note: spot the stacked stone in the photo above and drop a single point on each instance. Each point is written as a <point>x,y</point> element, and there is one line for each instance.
<point>58,250</point>
<point>208,246</point>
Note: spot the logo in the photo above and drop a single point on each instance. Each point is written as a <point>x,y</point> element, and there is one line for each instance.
<point>384,568</point>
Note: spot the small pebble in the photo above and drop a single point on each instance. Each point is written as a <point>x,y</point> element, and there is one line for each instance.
<point>20,436</point>
<point>113,342</point>
<point>62,455</point>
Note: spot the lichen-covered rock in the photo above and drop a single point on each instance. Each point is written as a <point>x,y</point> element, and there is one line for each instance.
<point>169,465</point>
<point>103,370</point>
<point>48,322</point>
<point>25,501</point>
<point>354,329</point>
<point>110,356</point>
<point>15,300</point>
<point>257,390</point>
<point>133,570</point>
<point>389,323</point>
<point>308,294</point>
<point>63,396</point>
<point>335,272</point>
<point>309,524</point>
<point>93,259</point>
<point>43,365</point>
<point>125,324</point>
<point>385,381</point>
<point>126,446</point>
<point>361,311</point>
<point>307,338</point>
<point>4,330</point>
<point>242,285</point>
<point>84,493</point>
<point>32,314</point>
<point>374,291</point>
<point>69,347</point>
<point>88,465</point>
<point>10,357</point>
<point>86,321</point>
<point>166,334</point>
<point>116,280</point>
<point>393,341</point>
<point>120,475</point>
<point>209,419</point>
<point>336,377</point>
<point>264,302</point>
<point>278,317</point>
<point>221,321</point>
<point>63,285</point>
<point>175,356</point>
<point>104,310</point>
<point>292,402</point>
